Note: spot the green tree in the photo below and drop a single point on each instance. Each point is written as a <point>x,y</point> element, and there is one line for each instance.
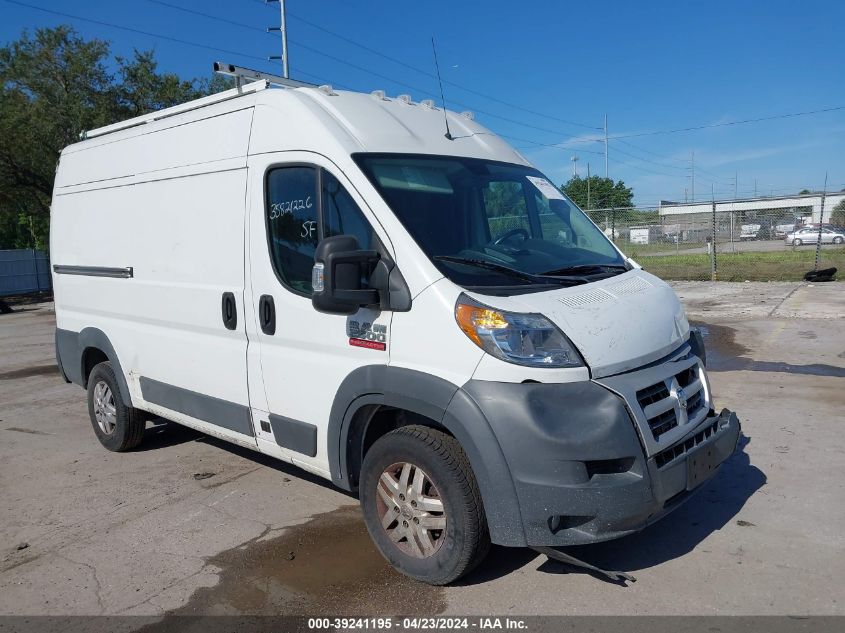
<point>142,89</point>
<point>837,216</point>
<point>54,85</point>
<point>604,193</point>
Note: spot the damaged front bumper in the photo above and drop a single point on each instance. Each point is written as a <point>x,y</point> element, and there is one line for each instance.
<point>578,465</point>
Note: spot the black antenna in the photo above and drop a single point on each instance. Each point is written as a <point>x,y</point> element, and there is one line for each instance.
<point>439,81</point>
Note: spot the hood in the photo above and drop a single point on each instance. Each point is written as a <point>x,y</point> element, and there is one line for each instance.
<point>617,324</point>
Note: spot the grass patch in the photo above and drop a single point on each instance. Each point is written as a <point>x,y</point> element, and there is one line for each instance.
<point>752,266</point>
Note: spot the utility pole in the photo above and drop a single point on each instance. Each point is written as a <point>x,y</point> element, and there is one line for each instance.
<point>736,195</point>
<point>692,165</point>
<point>574,160</point>
<point>282,28</point>
<point>713,235</point>
<point>821,220</point>
<point>588,185</point>
<point>606,173</point>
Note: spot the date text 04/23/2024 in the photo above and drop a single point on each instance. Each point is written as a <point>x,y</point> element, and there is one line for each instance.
<point>418,623</point>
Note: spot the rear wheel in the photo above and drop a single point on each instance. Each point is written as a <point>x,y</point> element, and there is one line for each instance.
<point>796,242</point>
<point>422,505</point>
<point>118,426</point>
<point>838,240</point>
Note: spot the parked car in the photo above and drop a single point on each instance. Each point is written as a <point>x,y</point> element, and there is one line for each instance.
<point>324,277</point>
<point>811,236</point>
<point>749,232</point>
<point>782,230</point>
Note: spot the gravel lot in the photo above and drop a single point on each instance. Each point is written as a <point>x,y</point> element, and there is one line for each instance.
<point>188,524</point>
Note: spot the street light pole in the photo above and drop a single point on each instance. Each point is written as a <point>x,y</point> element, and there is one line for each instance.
<point>605,148</point>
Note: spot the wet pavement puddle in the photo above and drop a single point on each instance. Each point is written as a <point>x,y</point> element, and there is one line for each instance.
<point>328,565</point>
<point>724,353</point>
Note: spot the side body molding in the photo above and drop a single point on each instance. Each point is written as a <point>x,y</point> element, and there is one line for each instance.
<point>445,404</point>
<point>70,354</point>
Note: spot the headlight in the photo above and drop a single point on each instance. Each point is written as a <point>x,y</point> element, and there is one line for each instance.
<point>523,339</point>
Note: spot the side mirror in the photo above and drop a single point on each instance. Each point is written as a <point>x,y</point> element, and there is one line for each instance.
<point>340,274</point>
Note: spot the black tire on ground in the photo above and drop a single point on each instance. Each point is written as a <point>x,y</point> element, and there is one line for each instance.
<point>838,240</point>
<point>466,538</point>
<point>796,242</point>
<point>128,423</point>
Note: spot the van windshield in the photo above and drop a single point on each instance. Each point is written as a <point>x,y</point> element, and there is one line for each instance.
<point>492,225</point>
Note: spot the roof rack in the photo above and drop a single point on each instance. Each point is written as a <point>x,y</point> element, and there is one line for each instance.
<point>247,81</point>
<point>177,109</point>
<point>241,74</point>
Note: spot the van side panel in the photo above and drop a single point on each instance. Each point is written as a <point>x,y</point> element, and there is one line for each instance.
<point>152,149</point>
<point>181,232</point>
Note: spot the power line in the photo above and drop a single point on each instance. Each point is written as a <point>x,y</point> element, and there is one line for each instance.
<point>727,123</point>
<point>619,138</point>
<point>680,160</point>
<point>646,169</point>
<point>646,160</point>
<point>345,62</point>
<point>432,76</point>
<point>647,151</point>
<point>262,59</point>
<point>210,16</point>
<point>554,145</point>
<point>157,36</point>
<point>134,30</point>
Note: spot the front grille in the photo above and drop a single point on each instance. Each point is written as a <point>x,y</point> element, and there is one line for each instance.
<point>666,421</point>
<point>686,377</point>
<point>652,394</point>
<point>694,403</point>
<point>671,454</point>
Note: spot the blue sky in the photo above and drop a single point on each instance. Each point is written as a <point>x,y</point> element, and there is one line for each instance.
<point>546,73</point>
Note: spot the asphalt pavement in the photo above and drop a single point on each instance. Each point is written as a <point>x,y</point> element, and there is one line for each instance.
<point>192,525</point>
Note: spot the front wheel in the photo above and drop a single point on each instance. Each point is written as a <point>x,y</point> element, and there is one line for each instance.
<point>796,242</point>
<point>838,240</point>
<point>422,505</point>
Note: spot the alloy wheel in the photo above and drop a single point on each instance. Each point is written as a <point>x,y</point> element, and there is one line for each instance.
<point>105,411</point>
<point>411,510</point>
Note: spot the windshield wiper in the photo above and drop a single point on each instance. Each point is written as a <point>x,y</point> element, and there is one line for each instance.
<point>589,269</point>
<point>511,272</point>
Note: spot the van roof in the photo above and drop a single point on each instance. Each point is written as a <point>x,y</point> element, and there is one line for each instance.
<point>361,122</point>
<point>222,130</point>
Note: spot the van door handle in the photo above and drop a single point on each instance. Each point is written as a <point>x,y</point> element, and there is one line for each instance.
<point>229,311</point>
<point>267,314</point>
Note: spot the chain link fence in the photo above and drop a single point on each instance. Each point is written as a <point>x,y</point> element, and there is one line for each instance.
<point>774,245</point>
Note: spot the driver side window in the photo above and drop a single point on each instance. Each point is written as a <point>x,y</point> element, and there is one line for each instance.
<point>505,208</point>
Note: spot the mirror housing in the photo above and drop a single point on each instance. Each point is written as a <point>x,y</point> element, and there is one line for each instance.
<point>340,267</point>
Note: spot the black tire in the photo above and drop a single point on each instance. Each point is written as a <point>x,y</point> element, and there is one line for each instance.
<point>797,242</point>
<point>129,423</point>
<point>838,240</point>
<point>466,538</point>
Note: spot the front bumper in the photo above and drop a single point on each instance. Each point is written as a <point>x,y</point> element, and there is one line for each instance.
<point>578,464</point>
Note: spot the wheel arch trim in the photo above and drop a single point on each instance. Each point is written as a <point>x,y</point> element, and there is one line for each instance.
<point>448,406</point>
<point>70,352</point>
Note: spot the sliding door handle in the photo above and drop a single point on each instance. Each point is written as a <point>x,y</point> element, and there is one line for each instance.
<point>229,311</point>
<point>267,315</point>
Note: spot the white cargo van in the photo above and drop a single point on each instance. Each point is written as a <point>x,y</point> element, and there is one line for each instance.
<point>330,278</point>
